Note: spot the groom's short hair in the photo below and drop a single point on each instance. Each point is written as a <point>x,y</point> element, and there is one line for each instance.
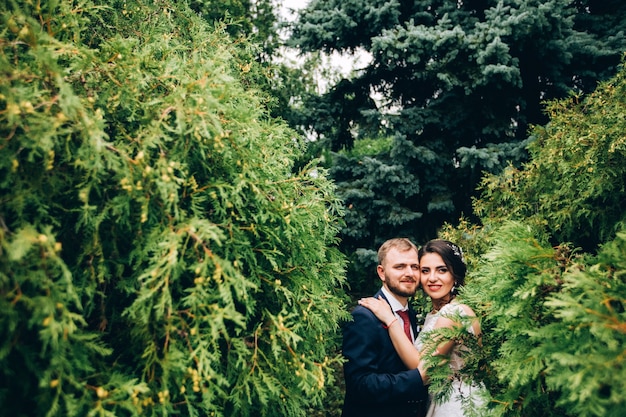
<point>402,244</point>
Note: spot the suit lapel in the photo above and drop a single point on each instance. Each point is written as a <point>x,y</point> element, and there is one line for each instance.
<point>412,313</point>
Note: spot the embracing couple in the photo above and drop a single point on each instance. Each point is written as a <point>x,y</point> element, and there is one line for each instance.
<point>384,373</point>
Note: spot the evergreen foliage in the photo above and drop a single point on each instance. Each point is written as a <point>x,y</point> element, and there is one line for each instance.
<point>462,82</point>
<point>256,25</point>
<point>553,311</point>
<point>159,253</point>
<point>252,19</point>
<point>384,201</point>
<point>375,209</point>
<point>585,346</point>
<point>553,322</point>
<point>575,181</point>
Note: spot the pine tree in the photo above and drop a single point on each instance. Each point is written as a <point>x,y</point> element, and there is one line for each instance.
<point>461,82</point>
<point>159,252</point>
<point>574,183</point>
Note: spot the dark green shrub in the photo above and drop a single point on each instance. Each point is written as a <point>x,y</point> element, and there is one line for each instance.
<point>158,252</point>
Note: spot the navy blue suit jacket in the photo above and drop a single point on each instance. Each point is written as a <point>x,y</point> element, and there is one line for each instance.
<point>377,382</point>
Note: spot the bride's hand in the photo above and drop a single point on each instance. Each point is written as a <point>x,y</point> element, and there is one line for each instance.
<point>379,307</point>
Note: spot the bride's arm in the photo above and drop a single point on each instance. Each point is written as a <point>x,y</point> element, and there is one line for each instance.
<point>407,352</point>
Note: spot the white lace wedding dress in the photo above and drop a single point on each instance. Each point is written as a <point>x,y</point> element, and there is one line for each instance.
<point>463,392</point>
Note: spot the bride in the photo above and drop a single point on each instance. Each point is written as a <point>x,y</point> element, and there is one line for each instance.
<point>442,268</point>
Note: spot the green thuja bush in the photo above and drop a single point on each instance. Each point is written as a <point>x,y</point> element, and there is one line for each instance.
<point>574,183</point>
<point>159,253</point>
<point>547,266</point>
<point>584,347</point>
<point>554,325</point>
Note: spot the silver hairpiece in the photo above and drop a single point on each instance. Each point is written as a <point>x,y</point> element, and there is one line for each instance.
<point>457,251</point>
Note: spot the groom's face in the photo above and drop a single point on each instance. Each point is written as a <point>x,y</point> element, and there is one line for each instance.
<point>400,272</point>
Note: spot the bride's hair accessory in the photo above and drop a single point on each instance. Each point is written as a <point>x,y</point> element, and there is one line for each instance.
<point>457,251</point>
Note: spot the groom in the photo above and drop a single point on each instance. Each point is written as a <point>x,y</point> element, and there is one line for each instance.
<point>377,382</point>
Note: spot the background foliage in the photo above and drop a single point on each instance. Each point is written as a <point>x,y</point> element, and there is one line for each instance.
<point>168,246</point>
<point>574,183</point>
<point>159,252</point>
<point>554,312</point>
<point>457,86</point>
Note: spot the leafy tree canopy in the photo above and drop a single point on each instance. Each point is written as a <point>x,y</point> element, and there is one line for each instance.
<point>159,252</point>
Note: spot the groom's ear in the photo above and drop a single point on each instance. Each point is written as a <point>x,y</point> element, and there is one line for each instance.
<point>380,270</point>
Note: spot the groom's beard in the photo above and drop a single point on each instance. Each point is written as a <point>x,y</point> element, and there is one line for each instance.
<point>397,290</point>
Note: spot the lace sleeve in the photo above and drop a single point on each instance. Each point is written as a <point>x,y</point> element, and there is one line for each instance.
<point>453,310</point>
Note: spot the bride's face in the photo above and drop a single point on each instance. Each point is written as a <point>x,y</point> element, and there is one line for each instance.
<point>436,278</point>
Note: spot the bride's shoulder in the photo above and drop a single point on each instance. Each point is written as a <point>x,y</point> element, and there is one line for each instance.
<point>459,308</point>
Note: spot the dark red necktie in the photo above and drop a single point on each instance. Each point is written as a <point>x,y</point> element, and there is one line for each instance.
<point>407,323</point>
